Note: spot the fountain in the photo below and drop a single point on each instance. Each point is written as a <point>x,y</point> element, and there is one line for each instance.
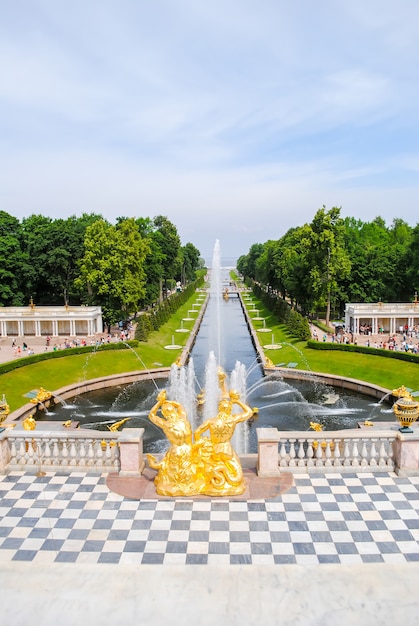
<point>224,341</point>
<point>173,345</point>
<point>264,329</point>
<point>181,329</point>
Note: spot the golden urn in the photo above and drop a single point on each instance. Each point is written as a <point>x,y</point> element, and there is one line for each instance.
<point>406,409</point>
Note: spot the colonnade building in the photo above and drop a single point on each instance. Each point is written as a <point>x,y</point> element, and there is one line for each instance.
<point>54,321</point>
<point>382,317</point>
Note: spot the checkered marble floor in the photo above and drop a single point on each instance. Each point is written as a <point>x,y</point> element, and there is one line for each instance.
<point>339,518</point>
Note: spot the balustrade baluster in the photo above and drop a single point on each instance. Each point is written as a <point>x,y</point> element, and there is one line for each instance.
<point>72,452</point>
<point>82,452</point>
<point>310,453</point>
<point>364,453</point>
<point>30,451</point>
<point>292,453</point>
<point>13,450</point>
<point>108,454</point>
<point>64,452</point>
<point>319,455</point>
<point>346,453</point>
<point>98,454</point>
<point>301,453</point>
<point>55,452</point>
<point>22,453</point>
<point>383,453</point>
<point>90,453</point>
<point>373,453</point>
<point>283,454</point>
<point>336,454</point>
<point>328,453</point>
<point>47,452</point>
<point>355,453</point>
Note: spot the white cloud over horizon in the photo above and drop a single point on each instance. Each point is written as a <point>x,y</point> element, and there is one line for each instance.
<point>236,120</point>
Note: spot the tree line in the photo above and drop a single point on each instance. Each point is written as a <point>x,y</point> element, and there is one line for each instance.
<point>122,267</point>
<point>320,266</point>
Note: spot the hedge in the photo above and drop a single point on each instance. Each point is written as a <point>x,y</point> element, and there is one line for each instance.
<point>350,347</point>
<point>56,354</point>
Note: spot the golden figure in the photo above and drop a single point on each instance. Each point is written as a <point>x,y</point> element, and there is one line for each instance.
<point>114,427</point>
<point>401,392</point>
<point>224,471</point>
<point>29,423</point>
<point>42,396</point>
<point>4,409</point>
<point>208,465</point>
<point>177,473</point>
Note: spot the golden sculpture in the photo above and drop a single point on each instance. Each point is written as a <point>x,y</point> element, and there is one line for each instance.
<point>406,409</point>
<point>401,392</point>
<point>195,464</point>
<point>318,428</point>
<point>42,396</point>
<point>114,427</point>
<point>177,473</point>
<point>4,409</point>
<point>29,423</point>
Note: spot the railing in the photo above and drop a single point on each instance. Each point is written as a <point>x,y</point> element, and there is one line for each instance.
<point>73,450</point>
<point>332,451</point>
<point>357,450</point>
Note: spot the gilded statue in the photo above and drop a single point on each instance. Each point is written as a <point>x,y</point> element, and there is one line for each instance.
<point>29,423</point>
<point>196,464</point>
<point>177,473</point>
<point>224,470</point>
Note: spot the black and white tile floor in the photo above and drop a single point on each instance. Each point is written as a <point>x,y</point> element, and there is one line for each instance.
<point>339,518</point>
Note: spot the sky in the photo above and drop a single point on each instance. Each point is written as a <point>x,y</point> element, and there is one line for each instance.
<point>235,119</point>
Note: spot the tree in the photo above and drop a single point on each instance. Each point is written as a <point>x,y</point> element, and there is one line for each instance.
<point>191,262</point>
<point>112,269</point>
<point>168,243</point>
<point>328,259</point>
<point>14,266</point>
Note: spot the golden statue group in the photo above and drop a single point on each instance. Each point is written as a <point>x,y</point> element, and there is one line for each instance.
<point>195,464</point>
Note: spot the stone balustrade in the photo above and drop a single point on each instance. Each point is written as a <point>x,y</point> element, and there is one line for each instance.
<point>352,450</point>
<point>86,450</point>
<point>72,450</point>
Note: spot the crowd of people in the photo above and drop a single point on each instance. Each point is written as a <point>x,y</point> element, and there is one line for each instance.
<point>55,344</point>
<point>406,340</point>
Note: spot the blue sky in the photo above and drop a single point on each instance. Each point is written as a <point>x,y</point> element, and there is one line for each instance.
<point>236,119</point>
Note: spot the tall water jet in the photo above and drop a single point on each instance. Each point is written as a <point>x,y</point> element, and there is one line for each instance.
<point>216,299</point>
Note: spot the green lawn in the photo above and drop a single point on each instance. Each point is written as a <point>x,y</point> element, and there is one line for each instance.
<point>386,372</point>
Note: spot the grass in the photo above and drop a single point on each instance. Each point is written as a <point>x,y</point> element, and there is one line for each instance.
<point>52,375</point>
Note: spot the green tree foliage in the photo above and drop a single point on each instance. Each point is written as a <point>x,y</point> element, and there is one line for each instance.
<point>14,266</point>
<point>112,269</point>
<point>168,241</point>
<point>54,248</point>
<point>191,262</point>
<point>380,260</point>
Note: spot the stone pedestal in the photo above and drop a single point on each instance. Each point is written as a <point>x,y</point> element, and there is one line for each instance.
<point>406,453</point>
<point>131,455</point>
<point>267,452</point>
<point>4,451</point>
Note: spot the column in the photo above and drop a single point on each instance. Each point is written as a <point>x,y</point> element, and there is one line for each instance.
<point>268,462</point>
<point>131,451</point>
